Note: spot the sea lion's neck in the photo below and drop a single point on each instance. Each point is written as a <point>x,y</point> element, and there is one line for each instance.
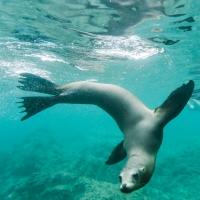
<point>141,159</point>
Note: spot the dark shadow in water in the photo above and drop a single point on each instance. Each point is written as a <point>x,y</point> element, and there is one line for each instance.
<point>188,19</point>
<point>185,28</point>
<point>30,34</point>
<point>163,40</point>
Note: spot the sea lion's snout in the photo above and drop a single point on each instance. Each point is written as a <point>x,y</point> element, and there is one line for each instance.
<point>125,189</point>
<point>128,183</point>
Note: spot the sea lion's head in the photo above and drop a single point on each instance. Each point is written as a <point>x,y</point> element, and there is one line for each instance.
<point>134,176</point>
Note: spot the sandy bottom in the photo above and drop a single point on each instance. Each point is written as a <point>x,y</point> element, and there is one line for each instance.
<point>42,168</point>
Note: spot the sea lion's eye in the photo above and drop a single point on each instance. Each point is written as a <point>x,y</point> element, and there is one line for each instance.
<point>135,176</point>
<point>120,178</point>
<point>142,169</point>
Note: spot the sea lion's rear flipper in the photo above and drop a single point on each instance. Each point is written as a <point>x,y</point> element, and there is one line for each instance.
<point>117,154</point>
<point>35,104</point>
<point>175,103</point>
<point>31,82</point>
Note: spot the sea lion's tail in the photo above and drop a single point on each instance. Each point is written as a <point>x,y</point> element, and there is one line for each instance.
<point>175,103</point>
<point>35,104</point>
<point>31,82</point>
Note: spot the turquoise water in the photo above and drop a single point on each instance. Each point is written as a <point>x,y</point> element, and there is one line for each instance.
<point>149,47</point>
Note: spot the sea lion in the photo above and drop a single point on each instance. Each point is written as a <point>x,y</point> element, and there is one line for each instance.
<point>142,127</point>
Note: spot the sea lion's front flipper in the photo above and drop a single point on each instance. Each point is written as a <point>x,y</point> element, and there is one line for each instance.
<point>117,154</point>
<point>175,103</point>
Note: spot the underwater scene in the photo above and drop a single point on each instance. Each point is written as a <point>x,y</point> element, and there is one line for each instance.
<point>149,47</point>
